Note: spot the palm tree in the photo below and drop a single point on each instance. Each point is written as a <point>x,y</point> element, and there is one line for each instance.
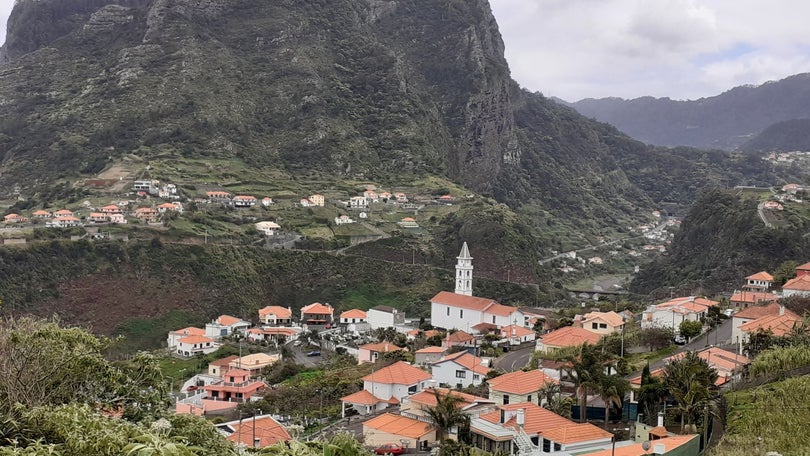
<point>447,413</point>
<point>554,401</point>
<point>586,371</point>
<point>652,393</point>
<point>612,389</point>
<point>691,382</point>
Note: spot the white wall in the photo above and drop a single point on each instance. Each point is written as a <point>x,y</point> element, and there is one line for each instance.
<point>377,319</point>
<point>446,373</point>
<point>462,319</point>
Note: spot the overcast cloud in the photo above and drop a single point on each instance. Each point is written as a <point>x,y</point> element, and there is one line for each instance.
<point>682,49</point>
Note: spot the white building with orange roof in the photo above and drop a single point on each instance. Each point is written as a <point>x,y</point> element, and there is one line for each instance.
<point>353,316</point>
<point>417,405</point>
<point>779,325</point>
<point>147,214</point>
<point>519,386</point>
<point>750,314</point>
<point>218,196</point>
<point>170,207</point>
<point>358,202</point>
<point>256,432</point>
<point>225,325</point>
<point>317,200</point>
<point>178,334</point>
<point>527,428</point>
<point>40,214</point>
<point>744,299</point>
<point>428,355</point>
<point>369,353</point>
<point>63,222</point>
<point>275,315</point>
<point>98,217</point>
<point>672,313</point>
<point>761,281</point>
<point>799,286</point>
<point>517,334</point>
<point>568,336</point>
<point>267,201</point>
<point>396,381</point>
<point>389,428</point>
<point>601,323</point>
<point>195,345</point>
<point>459,370</point>
<point>110,209</point>
<point>244,201</point>
<point>63,213</point>
<point>458,339</point>
<point>14,218</point>
<point>317,314</point>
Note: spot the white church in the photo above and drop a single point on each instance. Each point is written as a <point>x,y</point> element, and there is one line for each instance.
<point>463,311</point>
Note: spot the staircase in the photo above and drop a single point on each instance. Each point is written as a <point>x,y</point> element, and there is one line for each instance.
<point>524,443</point>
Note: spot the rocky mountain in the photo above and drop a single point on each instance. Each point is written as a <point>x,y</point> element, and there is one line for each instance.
<point>724,121</point>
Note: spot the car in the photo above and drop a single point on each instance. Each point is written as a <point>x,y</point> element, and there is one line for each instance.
<point>390,448</point>
<point>679,339</point>
<point>314,353</point>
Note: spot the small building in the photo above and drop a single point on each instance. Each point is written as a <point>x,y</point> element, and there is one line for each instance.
<point>218,367</point>
<point>257,432</point>
<point>147,214</point>
<point>170,207</point>
<point>254,363</point>
<point>97,217</point>
<point>353,316</point>
<point>267,228</point>
<point>568,336</point>
<point>458,339</point>
<point>799,286</point>
<point>388,428</point>
<point>41,214</point>
<point>236,386</point>
<point>601,322</point>
<point>358,202</point>
<point>777,325</point>
<point>750,314</point>
<point>516,334</point>
<point>459,370</point>
<point>428,355</point>
<point>111,209</point>
<point>178,334</point>
<point>396,381</point>
<point>218,196</point>
<point>384,317</point>
<point>267,201</point>
<point>225,325</point>
<point>244,201</point>
<point>63,222</point>
<point>195,345</point>
<point>761,281</point>
<point>317,200</point>
<point>744,299</point>
<point>343,219</point>
<point>408,222</point>
<point>369,353</point>
<point>317,314</point>
<point>519,386</point>
<point>275,315</point>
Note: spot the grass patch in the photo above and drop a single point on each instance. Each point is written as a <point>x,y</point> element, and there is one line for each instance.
<point>147,333</point>
<point>364,298</point>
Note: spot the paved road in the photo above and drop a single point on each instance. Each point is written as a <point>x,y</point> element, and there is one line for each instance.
<point>514,360</point>
<point>719,336</point>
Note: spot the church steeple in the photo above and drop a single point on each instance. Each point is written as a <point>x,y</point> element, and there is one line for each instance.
<point>464,272</point>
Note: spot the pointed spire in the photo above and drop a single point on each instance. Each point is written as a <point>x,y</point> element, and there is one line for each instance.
<point>465,253</point>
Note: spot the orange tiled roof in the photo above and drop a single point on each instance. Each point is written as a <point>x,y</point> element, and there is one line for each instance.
<point>399,373</point>
<point>190,331</point>
<point>754,312</point>
<point>575,433</point>
<point>353,313</point>
<point>762,275</point>
<point>63,212</point>
<point>41,213</point>
<point>430,350</point>
<point>612,318</point>
<point>428,397</point>
<point>399,426</point>
<point>264,429</point>
<point>515,330</point>
<point>467,361</point>
<point>278,311</point>
<point>801,283</point>
<point>520,382</point>
<point>459,337</point>
<point>227,320</point>
<point>195,340</point>
<point>804,267</point>
<point>381,347</point>
<point>362,397</point>
<point>537,420</point>
<point>244,197</point>
<point>753,297</point>
<point>223,361</point>
<point>670,443</point>
<point>779,325</point>
<point>317,308</point>
<point>473,303</point>
<point>570,336</point>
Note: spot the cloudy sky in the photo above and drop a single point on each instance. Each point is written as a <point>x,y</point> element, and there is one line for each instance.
<point>682,49</point>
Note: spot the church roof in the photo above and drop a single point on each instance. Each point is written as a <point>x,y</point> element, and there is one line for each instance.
<point>465,253</point>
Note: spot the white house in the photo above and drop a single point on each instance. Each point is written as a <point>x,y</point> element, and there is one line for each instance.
<point>396,381</point>
<point>193,345</point>
<point>275,315</point>
<point>225,325</point>
<point>353,316</point>
<point>317,200</point>
<point>760,281</point>
<point>178,334</point>
<point>459,370</point>
<point>670,314</point>
<point>358,202</point>
<point>267,228</point>
<point>343,220</point>
<point>244,201</point>
<point>384,317</point>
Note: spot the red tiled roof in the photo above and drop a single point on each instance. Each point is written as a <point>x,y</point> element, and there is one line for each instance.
<point>612,318</point>
<point>318,309</point>
<point>362,397</point>
<point>762,275</point>
<point>753,297</point>
<point>428,397</point>
<point>670,443</point>
<point>459,337</point>
<point>801,283</point>
<point>473,303</point>
<point>431,350</point>
<point>467,361</point>
<point>195,340</point>
<point>278,311</point>
<point>399,426</point>
<point>264,429</point>
<point>381,347</point>
<point>190,331</point>
<point>227,320</point>
<point>570,336</point>
<point>537,420</point>
<point>353,313</point>
<point>754,312</point>
<point>515,331</point>
<point>223,361</point>
<point>576,433</point>
<point>520,382</point>
<point>399,373</point>
<point>804,267</point>
<point>779,325</point>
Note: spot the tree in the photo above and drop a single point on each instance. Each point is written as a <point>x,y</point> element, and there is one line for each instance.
<point>551,399</point>
<point>784,272</point>
<point>586,370</point>
<point>652,393</point>
<point>691,382</point>
<point>657,337</point>
<point>447,413</point>
<point>612,389</point>
<point>690,329</point>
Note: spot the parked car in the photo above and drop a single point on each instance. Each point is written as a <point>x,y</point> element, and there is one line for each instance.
<point>679,339</point>
<point>314,353</point>
<point>390,448</point>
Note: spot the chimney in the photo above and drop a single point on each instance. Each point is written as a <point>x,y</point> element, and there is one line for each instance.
<point>640,418</point>
<point>521,417</point>
<point>781,309</point>
<point>661,419</point>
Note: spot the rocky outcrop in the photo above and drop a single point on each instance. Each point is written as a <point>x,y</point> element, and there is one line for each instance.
<point>109,17</point>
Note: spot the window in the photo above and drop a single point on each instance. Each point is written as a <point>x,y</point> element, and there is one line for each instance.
<point>448,311</point>
<point>493,319</point>
<point>460,313</point>
<point>461,374</point>
<point>505,399</point>
<point>594,326</point>
<point>603,325</point>
<point>529,398</point>
<point>476,377</point>
<point>412,389</point>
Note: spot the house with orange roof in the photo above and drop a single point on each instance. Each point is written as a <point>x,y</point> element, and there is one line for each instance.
<point>267,201</point>
<point>389,428</point>
<point>601,323</point>
<point>428,355</point>
<point>369,353</point>
<point>672,445</point>
<point>110,209</point>
<point>519,386</point>
<point>729,365</point>
<point>14,218</point>
<point>744,299</point>
<point>317,314</point>
<point>98,217</point>
<point>236,387</point>
<point>178,334</point>
<point>779,325</point>
<point>256,432</point>
<point>195,345</point>
<point>267,227</point>
<point>41,214</point>
<point>147,214</point>
<point>170,207</point>
<point>365,403</point>
<point>458,339</point>
<point>457,311</point>
<point>761,281</point>
<point>803,269</point>
<point>750,314</point>
<point>217,367</point>
<point>225,325</point>
<point>244,201</point>
<point>275,315</point>
<point>317,200</point>
<point>63,222</point>
<point>798,286</point>
<point>254,363</point>
<point>352,316</point>
<point>371,196</point>
<point>459,370</point>
<point>401,197</point>
<point>568,336</point>
<point>218,196</point>
<point>408,222</point>
<point>63,213</point>
<point>417,405</point>
<point>517,334</point>
<point>527,428</point>
<point>670,314</point>
<point>396,381</point>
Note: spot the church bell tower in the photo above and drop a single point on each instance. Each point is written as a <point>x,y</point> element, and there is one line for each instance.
<point>464,270</point>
